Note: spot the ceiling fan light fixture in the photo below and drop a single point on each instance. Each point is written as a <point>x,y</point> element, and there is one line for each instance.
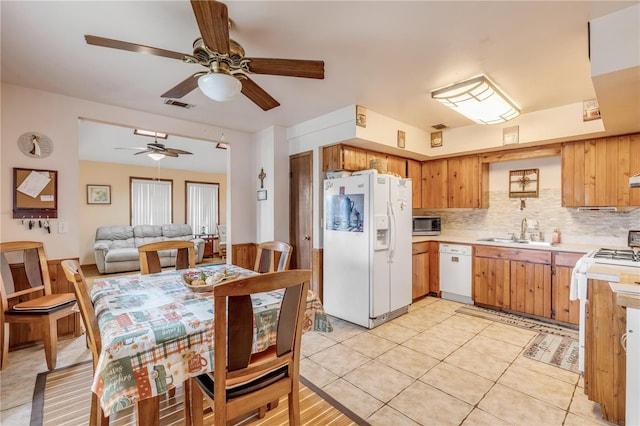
<point>219,86</point>
<point>479,100</point>
<point>156,156</point>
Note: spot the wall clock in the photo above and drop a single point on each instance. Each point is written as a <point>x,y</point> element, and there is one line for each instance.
<point>35,145</point>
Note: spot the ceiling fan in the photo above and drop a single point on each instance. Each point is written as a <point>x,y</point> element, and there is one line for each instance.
<point>159,149</point>
<point>224,58</point>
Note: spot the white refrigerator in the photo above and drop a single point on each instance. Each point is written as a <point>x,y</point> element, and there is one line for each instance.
<point>367,247</point>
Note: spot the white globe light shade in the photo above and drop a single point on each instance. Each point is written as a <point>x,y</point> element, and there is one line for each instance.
<point>219,86</point>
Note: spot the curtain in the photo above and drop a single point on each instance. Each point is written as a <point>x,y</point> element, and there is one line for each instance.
<point>150,202</point>
<point>202,207</point>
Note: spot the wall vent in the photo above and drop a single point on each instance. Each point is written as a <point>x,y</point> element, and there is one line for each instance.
<point>439,126</point>
<point>178,104</point>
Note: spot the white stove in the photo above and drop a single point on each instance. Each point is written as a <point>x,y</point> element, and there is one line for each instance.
<point>619,257</point>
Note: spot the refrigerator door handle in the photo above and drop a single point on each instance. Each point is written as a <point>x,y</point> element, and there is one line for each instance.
<point>392,231</point>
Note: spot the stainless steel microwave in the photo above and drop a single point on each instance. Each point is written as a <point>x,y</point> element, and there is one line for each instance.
<point>427,225</point>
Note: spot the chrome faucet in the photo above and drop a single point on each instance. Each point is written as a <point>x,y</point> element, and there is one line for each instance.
<point>523,228</point>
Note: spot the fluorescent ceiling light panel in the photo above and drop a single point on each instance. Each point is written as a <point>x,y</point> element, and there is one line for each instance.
<point>479,100</point>
<point>149,133</point>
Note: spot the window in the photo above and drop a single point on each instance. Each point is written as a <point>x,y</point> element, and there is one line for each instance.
<point>151,201</point>
<point>202,206</point>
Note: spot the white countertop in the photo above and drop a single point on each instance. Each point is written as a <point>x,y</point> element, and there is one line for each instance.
<point>452,238</point>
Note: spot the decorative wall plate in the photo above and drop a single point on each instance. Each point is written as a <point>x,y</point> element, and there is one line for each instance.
<point>35,145</point>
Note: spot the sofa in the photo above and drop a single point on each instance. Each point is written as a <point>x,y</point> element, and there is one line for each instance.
<point>116,247</point>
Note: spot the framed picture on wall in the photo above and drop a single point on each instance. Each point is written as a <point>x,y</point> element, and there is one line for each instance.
<point>98,194</point>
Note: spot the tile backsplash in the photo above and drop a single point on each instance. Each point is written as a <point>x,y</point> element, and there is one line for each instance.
<point>504,216</point>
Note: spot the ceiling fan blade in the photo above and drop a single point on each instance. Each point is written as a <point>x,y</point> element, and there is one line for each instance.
<point>146,151</point>
<point>132,149</point>
<point>132,47</point>
<point>183,88</point>
<point>287,67</point>
<point>257,94</point>
<point>213,22</point>
<point>178,151</point>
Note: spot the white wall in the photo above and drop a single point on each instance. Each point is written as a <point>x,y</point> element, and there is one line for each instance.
<point>24,110</point>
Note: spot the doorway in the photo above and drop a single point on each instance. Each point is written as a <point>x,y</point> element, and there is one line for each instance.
<point>301,209</point>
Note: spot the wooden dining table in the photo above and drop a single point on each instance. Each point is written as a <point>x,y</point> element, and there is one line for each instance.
<point>156,333</point>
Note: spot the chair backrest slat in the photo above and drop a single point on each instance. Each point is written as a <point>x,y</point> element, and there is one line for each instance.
<point>32,268</point>
<point>239,316</point>
<point>150,259</point>
<point>269,252</point>
<point>35,267</point>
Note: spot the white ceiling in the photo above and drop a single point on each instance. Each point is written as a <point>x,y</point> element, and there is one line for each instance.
<point>386,56</point>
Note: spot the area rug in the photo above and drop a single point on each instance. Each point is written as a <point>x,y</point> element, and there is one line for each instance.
<point>63,397</point>
<point>518,321</point>
<point>558,351</point>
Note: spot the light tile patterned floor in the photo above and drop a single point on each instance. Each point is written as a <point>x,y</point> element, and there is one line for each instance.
<point>432,366</point>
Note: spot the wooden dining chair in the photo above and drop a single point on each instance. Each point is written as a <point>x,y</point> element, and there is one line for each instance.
<point>241,381</point>
<point>273,256</point>
<point>75,276</point>
<point>150,259</point>
<point>222,240</point>
<point>31,301</point>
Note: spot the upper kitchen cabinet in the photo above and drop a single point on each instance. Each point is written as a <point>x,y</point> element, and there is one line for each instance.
<point>414,172</point>
<point>343,157</point>
<point>397,165</point>
<point>435,190</point>
<point>595,173</point>
<point>454,183</point>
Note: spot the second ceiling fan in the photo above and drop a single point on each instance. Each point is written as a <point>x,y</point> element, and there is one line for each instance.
<point>224,58</point>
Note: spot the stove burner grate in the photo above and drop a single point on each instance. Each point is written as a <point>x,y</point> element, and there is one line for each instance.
<point>616,254</point>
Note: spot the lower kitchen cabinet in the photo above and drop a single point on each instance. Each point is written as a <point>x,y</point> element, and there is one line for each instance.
<point>605,358</point>
<point>514,279</point>
<point>564,309</point>
<point>425,269</point>
<point>420,270</point>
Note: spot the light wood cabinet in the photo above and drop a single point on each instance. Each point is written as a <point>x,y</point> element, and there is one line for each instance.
<point>414,172</point>
<point>343,157</point>
<point>420,270</point>
<point>397,165</point>
<point>514,279</point>
<point>564,309</point>
<point>435,193</point>
<point>425,269</point>
<point>605,358</point>
<point>455,183</point>
<point>464,182</point>
<point>596,172</point>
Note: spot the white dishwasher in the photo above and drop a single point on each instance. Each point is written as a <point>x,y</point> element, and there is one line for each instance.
<point>455,273</point>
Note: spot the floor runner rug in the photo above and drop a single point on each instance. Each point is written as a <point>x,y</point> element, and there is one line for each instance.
<point>558,351</point>
<point>518,321</point>
<point>63,397</point>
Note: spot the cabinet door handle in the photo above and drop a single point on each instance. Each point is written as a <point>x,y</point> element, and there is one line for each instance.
<point>306,237</point>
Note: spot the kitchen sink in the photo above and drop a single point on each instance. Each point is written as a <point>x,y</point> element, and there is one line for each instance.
<point>516,241</point>
<point>499,240</point>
